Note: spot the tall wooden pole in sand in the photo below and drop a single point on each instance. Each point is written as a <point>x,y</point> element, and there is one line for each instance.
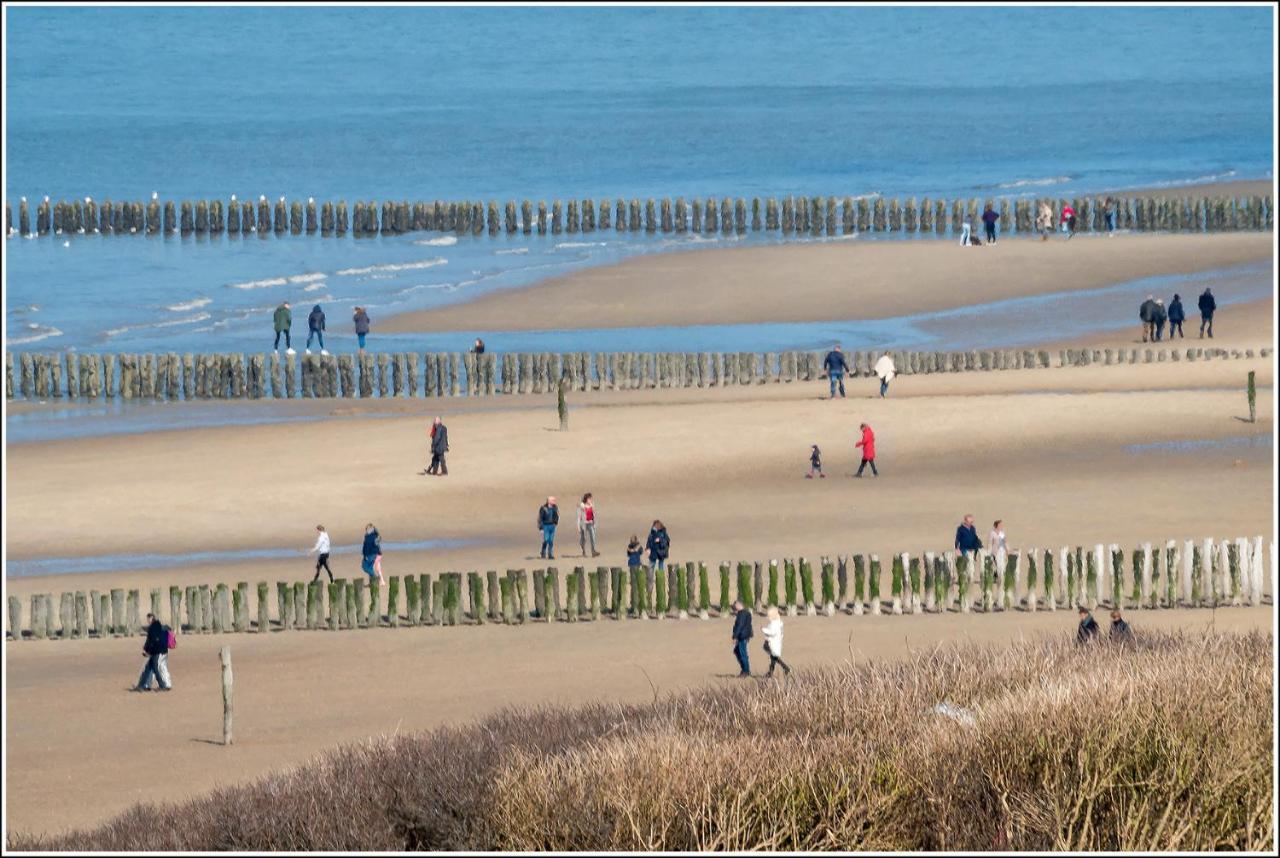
<point>224,656</point>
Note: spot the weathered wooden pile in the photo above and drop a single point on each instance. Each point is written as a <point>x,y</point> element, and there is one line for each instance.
<point>173,377</point>
<point>1209,573</point>
<point>814,216</point>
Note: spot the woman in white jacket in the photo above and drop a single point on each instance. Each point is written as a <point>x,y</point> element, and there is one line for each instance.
<point>886,370</point>
<point>773,642</point>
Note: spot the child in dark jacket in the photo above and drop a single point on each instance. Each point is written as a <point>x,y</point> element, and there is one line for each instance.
<point>815,464</point>
<point>635,552</point>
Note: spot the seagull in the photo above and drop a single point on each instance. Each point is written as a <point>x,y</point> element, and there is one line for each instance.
<point>66,244</point>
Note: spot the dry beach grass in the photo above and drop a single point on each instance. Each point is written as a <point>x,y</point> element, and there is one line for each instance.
<point>1048,746</point>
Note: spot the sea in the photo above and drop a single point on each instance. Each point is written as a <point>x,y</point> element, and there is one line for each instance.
<point>544,103</point>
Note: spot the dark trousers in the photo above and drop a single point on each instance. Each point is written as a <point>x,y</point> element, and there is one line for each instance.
<point>287,345</point>
<point>1159,335</point>
<point>884,387</point>
<point>1175,327</point>
<point>991,233</point>
<point>1206,320</point>
<point>872,463</point>
<point>322,562</point>
<point>740,653</point>
<point>438,465</point>
<point>775,661</point>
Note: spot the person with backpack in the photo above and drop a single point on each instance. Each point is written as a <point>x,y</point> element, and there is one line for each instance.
<point>160,640</point>
<point>283,320</point>
<point>321,550</point>
<point>315,328</point>
<point>836,366</point>
<point>1207,307</point>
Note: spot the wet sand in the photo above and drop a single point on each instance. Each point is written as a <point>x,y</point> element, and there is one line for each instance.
<point>836,280</point>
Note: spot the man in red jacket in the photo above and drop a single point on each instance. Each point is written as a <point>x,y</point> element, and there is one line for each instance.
<point>868,445</point>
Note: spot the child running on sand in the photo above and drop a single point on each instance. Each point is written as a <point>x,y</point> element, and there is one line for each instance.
<point>815,464</point>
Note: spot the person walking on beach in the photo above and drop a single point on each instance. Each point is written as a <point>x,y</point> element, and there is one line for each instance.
<point>868,445</point>
<point>1207,307</point>
<point>967,540</point>
<point>741,634</point>
<point>999,547</point>
<point>815,464</point>
<point>836,366</point>
<point>283,322</point>
<point>966,231</point>
<point>315,328</point>
<point>886,371</point>
<point>659,546</point>
<point>1044,220</point>
<point>321,550</point>
<point>587,525</point>
<point>361,320</point>
<point>1087,630</point>
<point>1120,631</point>
<point>548,518</point>
<point>1068,220</point>
<point>989,218</point>
<point>1147,313</point>
<point>439,436</point>
<point>156,649</point>
<point>1109,215</point>
<point>478,348</point>
<point>1176,317</point>
<point>371,553</point>
<point>1158,317</point>
<point>773,642</point>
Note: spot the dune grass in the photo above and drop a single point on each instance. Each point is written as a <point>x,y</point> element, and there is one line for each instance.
<point>1161,745</point>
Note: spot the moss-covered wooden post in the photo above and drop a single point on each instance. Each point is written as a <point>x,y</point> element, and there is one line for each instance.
<point>806,586</point>
<point>507,600</point>
<point>790,587</point>
<point>725,606</point>
<point>362,606</point>
<point>1253,397</point>
<point>1144,599</point>
<point>264,623</point>
<point>284,595</point>
<point>916,581</point>
<point>571,607</point>
<point>873,584</point>
<point>896,585</point>
<point>772,598</point>
<point>964,576</point>
<point>393,600</point>
<point>1235,565</point>
<point>828,587</point>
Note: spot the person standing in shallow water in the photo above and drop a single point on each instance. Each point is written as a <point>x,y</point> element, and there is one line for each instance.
<point>315,328</point>
<point>360,319</point>
<point>587,525</point>
<point>742,634</point>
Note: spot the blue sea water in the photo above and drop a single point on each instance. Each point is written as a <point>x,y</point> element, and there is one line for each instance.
<point>546,103</point>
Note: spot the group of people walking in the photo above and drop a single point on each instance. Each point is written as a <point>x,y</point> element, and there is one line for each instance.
<point>836,364</point>
<point>370,553</point>
<point>1155,315</point>
<point>283,322</point>
<point>549,520</point>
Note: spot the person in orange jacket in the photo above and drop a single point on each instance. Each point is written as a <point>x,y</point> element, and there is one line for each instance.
<point>868,445</point>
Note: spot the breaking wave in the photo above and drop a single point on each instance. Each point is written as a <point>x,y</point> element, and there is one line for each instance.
<point>394,266</point>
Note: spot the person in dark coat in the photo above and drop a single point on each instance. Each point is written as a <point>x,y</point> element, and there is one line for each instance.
<point>283,320</point>
<point>315,328</point>
<point>439,446</point>
<point>836,366</point>
<point>1120,631</point>
<point>1176,316</point>
<point>990,217</point>
<point>548,518</point>
<point>1207,306</point>
<point>1159,316</point>
<point>478,348</point>
<point>659,546</point>
<point>1147,313</point>
<point>360,319</point>
<point>156,649</point>
<point>967,540</point>
<point>741,634</point>
<point>1088,629</point>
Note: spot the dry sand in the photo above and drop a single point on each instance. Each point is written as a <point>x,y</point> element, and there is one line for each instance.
<point>81,749</point>
<point>807,282</point>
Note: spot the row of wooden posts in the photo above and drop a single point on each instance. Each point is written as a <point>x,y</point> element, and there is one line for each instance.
<point>1191,574</point>
<point>819,215</point>
<point>172,377</point>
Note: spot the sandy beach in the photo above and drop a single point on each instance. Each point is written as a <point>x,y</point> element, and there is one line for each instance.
<point>836,280</point>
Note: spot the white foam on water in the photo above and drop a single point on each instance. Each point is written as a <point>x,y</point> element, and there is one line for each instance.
<point>442,241</point>
<point>1024,183</point>
<point>189,320</point>
<point>571,244</point>
<point>394,266</point>
<point>307,278</point>
<point>35,333</point>
<point>260,284</point>
<point>512,252</point>
<point>194,304</point>
<point>315,287</point>
<point>1198,180</point>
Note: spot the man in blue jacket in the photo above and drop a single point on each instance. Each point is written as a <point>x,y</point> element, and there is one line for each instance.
<point>967,540</point>
<point>836,366</point>
<point>741,634</point>
<point>1207,306</point>
<point>548,518</point>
